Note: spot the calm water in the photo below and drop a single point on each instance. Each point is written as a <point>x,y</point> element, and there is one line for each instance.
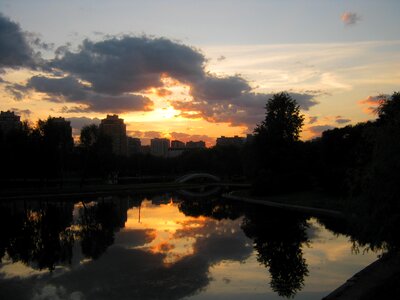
<point>167,247</point>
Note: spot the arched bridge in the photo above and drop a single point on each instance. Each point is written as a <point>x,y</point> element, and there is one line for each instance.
<point>188,177</point>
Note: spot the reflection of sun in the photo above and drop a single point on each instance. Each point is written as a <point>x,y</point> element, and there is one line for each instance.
<point>166,220</point>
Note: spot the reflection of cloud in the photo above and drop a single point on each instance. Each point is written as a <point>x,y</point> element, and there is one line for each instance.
<point>56,293</point>
<point>226,241</point>
<point>144,273</point>
<point>135,237</point>
<point>144,276</point>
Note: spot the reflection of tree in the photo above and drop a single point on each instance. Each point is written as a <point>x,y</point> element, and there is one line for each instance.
<point>215,208</point>
<point>98,223</point>
<point>42,237</point>
<point>278,238</point>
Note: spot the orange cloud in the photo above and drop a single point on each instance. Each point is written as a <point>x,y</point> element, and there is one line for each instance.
<point>371,103</point>
<point>163,92</point>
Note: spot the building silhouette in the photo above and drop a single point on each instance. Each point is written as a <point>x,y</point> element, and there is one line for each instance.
<point>134,145</point>
<point>62,131</point>
<point>115,128</point>
<point>196,145</point>
<point>159,147</point>
<point>230,141</point>
<point>9,121</point>
<point>177,144</point>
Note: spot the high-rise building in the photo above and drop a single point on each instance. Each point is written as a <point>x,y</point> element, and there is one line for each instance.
<point>9,121</point>
<point>177,144</point>
<point>134,145</point>
<point>159,147</point>
<point>195,145</point>
<point>115,128</point>
<point>230,141</point>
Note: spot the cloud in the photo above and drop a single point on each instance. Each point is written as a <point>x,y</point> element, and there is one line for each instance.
<point>131,64</point>
<point>371,103</point>
<point>15,50</point>
<point>22,112</point>
<point>318,129</point>
<point>70,90</point>
<point>341,120</point>
<point>312,119</point>
<point>242,109</point>
<point>350,18</point>
<point>163,92</point>
<point>78,122</point>
<point>110,75</point>
<point>221,58</point>
<point>17,91</point>
<point>212,88</point>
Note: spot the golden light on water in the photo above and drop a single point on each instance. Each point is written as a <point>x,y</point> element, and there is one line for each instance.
<point>165,221</point>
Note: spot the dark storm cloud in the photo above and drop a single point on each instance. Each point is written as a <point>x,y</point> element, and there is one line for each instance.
<point>15,50</point>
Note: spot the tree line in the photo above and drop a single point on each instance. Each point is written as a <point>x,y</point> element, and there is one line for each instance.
<point>356,160</point>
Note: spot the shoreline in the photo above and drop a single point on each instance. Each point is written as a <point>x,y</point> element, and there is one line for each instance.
<point>276,204</point>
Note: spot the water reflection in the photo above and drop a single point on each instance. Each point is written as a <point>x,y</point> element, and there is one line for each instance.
<point>153,247</point>
<point>278,238</point>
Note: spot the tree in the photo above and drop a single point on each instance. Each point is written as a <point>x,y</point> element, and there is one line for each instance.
<point>282,123</point>
<point>277,147</point>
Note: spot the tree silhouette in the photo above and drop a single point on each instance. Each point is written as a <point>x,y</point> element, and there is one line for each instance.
<point>282,123</point>
<point>276,146</point>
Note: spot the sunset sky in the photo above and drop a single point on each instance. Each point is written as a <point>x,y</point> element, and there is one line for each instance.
<point>194,70</point>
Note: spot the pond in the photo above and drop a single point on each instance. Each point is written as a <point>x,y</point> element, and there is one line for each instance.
<point>168,246</point>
